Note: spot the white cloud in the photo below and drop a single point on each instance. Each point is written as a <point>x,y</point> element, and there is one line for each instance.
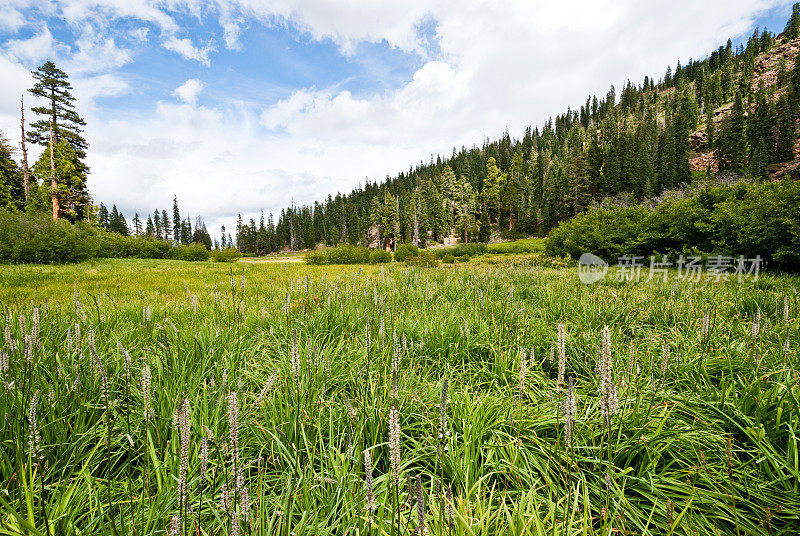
<point>187,50</point>
<point>189,90</point>
<point>11,18</point>
<point>96,54</point>
<point>34,49</point>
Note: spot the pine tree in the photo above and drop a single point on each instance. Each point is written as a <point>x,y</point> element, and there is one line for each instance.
<point>117,223</point>
<point>150,229</point>
<point>157,224</point>
<point>137,224</point>
<point>52,85</point>
<point>793,26</point>
<point>73,199</point>
<point>785,132</point>
<point>102,216</point>
<point>12,188</point>
<point>485,227</point>
<point>733,140</point>
<point>492,186</point>
<point>166,226</point>
<point>176,220</point>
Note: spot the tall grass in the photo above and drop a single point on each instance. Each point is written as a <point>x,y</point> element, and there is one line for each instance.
<point>382,400</point>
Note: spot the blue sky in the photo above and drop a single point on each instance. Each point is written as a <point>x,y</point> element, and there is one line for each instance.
<point>242,105</point>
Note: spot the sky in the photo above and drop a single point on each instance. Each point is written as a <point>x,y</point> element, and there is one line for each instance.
<point>238,106</point>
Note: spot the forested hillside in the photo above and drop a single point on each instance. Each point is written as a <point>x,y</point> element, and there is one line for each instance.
<point>731,114</point>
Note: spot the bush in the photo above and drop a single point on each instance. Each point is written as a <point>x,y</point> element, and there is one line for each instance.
<point>341,254</point>
<point>461,250</point>
<point>533,245</point>
<point>36,238</point>
<point>449,259</point>
<point>746,219</point>
<point>225,255</point>
<point>405,251</point>
<point>192,252</point>
<point>379,256</point>
<point>608,233</point>
<point>425,258</point>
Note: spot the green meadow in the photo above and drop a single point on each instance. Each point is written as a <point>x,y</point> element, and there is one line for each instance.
<point>481,398</point>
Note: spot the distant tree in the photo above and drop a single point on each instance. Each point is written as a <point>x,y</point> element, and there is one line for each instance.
<point>176,220</point>
<point>117,223</point>
<point>150,229</point>
<point>484,228</point>
<point>492,186</point>
<point>166,225</point>
<point>102,216</point>
<point>785,131</point>
<point>157,224</point>
<point>137,224</point>
<point>224,243</point>
<point>732,148</point>
<point>12,188</point>
<point>793,26</point>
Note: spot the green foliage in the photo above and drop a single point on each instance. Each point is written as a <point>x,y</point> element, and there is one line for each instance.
<point>341,254</point>
<point>36,238</point>
<point>225,255</point>
<point>745,219</point>
<point>425,258</point>
<point>74,199</point>
<point>484,228</point>
<point>12,191</point>
<point>405,251</point>
<point>448,259</point>
<point>470,249</point>
<point>532,245</point>
<point>190,252</point>
<point>608,233</point>
<point>380,256</point>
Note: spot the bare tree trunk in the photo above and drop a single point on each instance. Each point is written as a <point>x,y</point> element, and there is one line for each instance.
<point>53,183</point>
<point>25,176</point>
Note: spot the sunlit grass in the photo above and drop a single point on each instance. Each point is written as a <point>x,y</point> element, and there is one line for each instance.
<point>208,330</point>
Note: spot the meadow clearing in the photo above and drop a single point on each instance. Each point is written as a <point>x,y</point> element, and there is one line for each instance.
<point>167,397</point>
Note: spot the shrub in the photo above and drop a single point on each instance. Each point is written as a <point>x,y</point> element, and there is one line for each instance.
<point>36,238</point>
<point>379,256</point>
<point>191,252</point>
<point>316,257</point>
<point>341,254</point>
<point>533,245</point>
<point>608,233</point>
<point>425,258</point>
<point>405,251</point>
<point>225,255</point>
<point>460,250</point>
<point>746,219</point>
<point>449,259</point>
